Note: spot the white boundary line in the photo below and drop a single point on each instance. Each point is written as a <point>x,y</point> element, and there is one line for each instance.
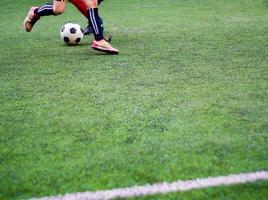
<point>162,188</point>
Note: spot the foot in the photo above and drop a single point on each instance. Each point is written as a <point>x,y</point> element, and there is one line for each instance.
<point>108,38</point>
<point>88,30</point>
<point>104,46</point>
<point>30,19</point>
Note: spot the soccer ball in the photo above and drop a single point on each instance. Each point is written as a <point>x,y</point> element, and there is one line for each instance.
<point>71,33</point>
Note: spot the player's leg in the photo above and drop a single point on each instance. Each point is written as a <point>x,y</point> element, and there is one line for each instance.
<point>34,14</point>
<point>82,7</point>
<point>99,43</point>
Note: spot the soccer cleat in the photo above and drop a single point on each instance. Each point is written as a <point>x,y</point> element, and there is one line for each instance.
<point>104,46</point>
<point>108,38</point>
<point>88,30</point>
<point>30,19</point>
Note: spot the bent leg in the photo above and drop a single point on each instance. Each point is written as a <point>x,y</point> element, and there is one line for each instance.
<point>35,13</point>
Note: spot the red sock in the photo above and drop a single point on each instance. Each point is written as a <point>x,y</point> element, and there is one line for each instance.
<point>81,6</point>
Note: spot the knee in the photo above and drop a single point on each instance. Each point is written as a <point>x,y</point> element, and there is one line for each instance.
<point>92,3</point>
<point>58,10</point>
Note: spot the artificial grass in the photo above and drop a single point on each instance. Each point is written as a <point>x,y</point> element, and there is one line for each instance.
<point>186,98</point>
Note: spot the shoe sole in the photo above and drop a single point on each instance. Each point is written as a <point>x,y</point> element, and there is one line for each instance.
<point>26,24</point>
<point>106,51</point>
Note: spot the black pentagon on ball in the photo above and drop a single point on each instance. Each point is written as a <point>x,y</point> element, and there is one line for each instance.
<point>66,39</point>
<point>63,28</point>
<point>73,30</point>
<point>77,40</point>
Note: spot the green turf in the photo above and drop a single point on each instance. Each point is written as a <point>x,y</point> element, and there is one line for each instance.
<point>187,97</point>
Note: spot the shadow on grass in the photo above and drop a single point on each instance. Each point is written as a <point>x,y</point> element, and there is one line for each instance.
<point>76,45</point>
